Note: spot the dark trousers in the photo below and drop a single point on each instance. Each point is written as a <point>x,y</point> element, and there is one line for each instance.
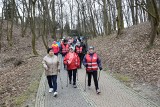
<point>94,74</point>
<point>74,72</point>
<point>52,82</point>
<point>81,59</point>
<point>56,54</point>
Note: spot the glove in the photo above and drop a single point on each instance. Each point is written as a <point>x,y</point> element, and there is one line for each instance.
<point>86,65</point>
<point>100,68</point>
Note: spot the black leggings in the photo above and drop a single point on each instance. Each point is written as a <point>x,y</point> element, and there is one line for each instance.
<point>94,73</point>
<point>74,72</point>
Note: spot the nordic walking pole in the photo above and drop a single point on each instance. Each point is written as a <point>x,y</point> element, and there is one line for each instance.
<point>85,82</point>
<point>61,81</point>
<point>99,75</point>
<point>67,79</point>
<point>77,75</point>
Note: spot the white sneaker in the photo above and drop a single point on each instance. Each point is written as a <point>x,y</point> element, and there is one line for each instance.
<point>50,90</point>
<point>89,87</point>
<point>98,91</point>
<point>74,86</point>
<point>55,94</point>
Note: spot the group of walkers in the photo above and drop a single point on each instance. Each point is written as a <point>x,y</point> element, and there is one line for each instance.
<point>74,53</point>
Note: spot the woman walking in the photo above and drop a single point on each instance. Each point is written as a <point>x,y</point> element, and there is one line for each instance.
<point>52,67</point>
<point>73,62</point>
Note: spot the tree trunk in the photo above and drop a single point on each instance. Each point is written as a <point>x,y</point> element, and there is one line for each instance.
<point>84,18</point>
<point>78,18</point>
<point>105,18</point>
<point>44,31</point>
<point>12,22</point>
<point>61,18</point>
<point>120,23</point>
<point>53,18</point>
<point>1,30</point>
<point>131,3</point>
<point>154,21</point>
<point>33,28</point>
<point>136,12</point>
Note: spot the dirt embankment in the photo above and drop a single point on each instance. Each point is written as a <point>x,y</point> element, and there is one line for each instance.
<point>19,75</point>
<point>129,56</point>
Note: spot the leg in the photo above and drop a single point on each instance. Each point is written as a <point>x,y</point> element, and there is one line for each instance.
<point>95,79</point>
<point>80,57</point>
<point>74,76</point>
<point>89,78</point>
<point>49,78</point>
<point>54,79</point>
<point>70,75</point>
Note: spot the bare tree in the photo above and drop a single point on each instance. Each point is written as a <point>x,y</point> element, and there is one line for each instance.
<point>33,27</point>
<point>153,16</point>
<point>1,27</point>
<point>120,23</point>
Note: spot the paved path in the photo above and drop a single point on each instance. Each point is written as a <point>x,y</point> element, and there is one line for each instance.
<point>113,94</point>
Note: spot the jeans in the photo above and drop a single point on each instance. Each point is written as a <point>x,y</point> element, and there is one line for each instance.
<point>74,72</point>
<point>94,73</point>
<point>52,82</point>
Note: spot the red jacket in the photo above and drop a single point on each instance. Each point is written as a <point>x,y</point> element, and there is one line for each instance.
<point>55,48</point>
<point>72,61</point>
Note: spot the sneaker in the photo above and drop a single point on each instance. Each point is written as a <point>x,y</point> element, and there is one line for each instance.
<point>98,91</point>
<point>55,94</point>
<point>89,87</point>
<point>50,90</point>
<point>74,86</point>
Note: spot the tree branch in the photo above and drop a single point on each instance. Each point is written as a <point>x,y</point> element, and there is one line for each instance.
<point>146,10</point>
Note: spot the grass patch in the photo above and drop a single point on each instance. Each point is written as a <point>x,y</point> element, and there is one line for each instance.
<point>18,101</point>
<point>105,69</point>
<point>32,89</point>
<point>122,78</point>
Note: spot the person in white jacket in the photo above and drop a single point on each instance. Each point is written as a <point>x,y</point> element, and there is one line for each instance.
<point>52,67</point>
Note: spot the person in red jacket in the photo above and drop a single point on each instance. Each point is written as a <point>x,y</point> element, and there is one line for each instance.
<point>78,50</point>
<point>55,48</point>
<point>91,61</point>
<point>73,62</point>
